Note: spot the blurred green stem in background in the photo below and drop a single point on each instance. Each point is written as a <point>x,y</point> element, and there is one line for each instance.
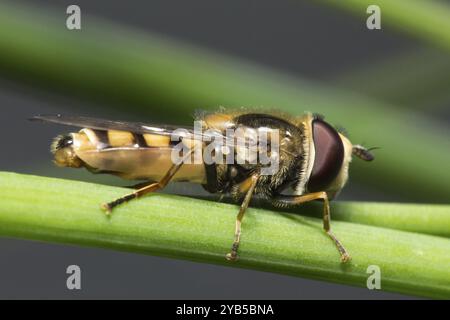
<point>428,20</point>
<point>418,79</point>
<point>69,212</point>
<point>168,80</point>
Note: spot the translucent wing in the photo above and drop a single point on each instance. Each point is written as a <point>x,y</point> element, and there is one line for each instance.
<point>135,127</point>
<point>238,141</point>
<point>102,124</point>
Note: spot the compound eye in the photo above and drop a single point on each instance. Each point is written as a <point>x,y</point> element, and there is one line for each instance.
<point>329,154</point>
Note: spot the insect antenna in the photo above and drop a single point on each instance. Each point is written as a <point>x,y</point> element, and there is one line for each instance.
<point>363,153</point>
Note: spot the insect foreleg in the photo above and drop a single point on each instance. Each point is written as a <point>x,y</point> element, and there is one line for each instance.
<point>232,256</point>
<point>296,200</point>
<point>151,187</point>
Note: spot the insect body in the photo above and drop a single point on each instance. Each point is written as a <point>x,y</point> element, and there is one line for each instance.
<point>311,157</point>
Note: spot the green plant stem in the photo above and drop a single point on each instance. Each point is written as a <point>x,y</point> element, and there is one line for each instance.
<point>158,77</point>
<point>68,212</point>
<point>425,19</point>
<point>416,80</point>
<point>430,219</point>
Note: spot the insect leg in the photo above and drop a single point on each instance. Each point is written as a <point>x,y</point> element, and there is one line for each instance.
<point>295,200</point>
<point>139,185</point>
<point>151,187</point>
<point>232,256</point>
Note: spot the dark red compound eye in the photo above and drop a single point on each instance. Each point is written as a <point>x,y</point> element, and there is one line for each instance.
<point>329,154</point>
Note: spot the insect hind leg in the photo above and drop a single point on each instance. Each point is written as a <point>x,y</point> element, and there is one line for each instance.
<point>108,207</point>
<point>287,201</point>
<point>146,188</point>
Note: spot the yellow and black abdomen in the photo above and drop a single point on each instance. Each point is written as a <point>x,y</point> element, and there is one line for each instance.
<point>125,154</point>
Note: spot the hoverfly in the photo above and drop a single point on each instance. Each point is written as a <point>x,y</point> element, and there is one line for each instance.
<point>312,158</point>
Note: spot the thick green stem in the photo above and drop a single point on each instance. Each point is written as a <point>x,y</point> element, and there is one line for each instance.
<point>430,219</point>
<point>63,211</point>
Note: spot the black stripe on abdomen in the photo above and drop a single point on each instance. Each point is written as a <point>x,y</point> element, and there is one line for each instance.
<point>139,140</point>
<point>102,139</point>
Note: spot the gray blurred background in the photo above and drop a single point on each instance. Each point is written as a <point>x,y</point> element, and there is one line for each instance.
<point>297,37</point>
